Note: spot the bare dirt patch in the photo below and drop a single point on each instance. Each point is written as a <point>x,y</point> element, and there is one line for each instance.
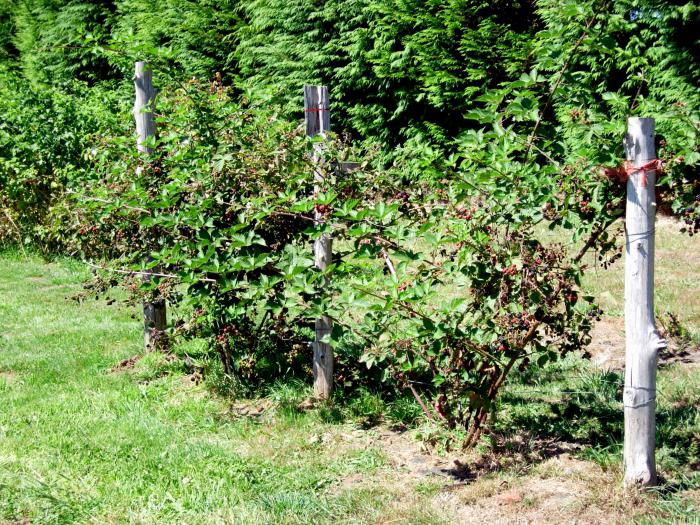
<point>523,481</point>
<point>127,364</point>
<point>560,490</point>
<point>408,455</point>
<point>415,459</point>
<point>8,376</point>
<point>607,347</point>
<point>693,496</point>
<point>251,408</point>
<point>191,380</point>
<point>687,355</point>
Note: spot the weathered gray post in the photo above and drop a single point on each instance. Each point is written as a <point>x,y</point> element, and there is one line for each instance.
<point>642,339</point>
<point>154,316</point>
<point>318,122</point>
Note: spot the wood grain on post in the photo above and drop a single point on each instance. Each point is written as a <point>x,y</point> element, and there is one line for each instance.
<point>145,94</point>
<point>317,118</point>
<point>154,315</point>
<point>642,338</point>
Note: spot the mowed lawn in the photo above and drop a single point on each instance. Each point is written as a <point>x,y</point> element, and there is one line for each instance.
<point>80,443</point>
<point>84,440</point>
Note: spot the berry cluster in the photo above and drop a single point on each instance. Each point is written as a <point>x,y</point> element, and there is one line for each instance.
<point>595,313</point>
<point>465,213</point>
<point>402,195</point>
<point>225,334</point>
<point>500,345</point>
<point>223,346</point>
<point>691,218</point>
<point>510,270</point>
<point>229,216</point>
<point>545,258</point>
<point>571,296</point>
<point>519,321</point>
<point>216,85</point>
<point>608,261</point>
<point>323,210</point>
<point>549,212</point>
<point>84,229</point>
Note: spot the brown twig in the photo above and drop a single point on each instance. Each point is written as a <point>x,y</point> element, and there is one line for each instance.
<point>421,403</point>
<point>19,232</point>
<point>143,273</point>
<point>591,240</point>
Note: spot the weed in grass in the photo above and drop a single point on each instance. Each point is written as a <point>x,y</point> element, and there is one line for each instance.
<point>529,501</point>
<point>156,364</point>
<point>289,394</point>
<point>330,413</point>
<point>429,487</point>
<point>367,407</point>
<point>673,503</point>
<point>404,411</point>
<point>219,382</point>
<point>607,457</point>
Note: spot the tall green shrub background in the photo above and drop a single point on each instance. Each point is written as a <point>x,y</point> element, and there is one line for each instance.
<point>404,74</point>
<point>409,79</point>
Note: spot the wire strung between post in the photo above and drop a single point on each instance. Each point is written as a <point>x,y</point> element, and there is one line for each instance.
<point>641,235</point>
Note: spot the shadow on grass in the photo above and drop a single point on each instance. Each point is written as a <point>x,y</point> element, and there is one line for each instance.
<point>588,415</point>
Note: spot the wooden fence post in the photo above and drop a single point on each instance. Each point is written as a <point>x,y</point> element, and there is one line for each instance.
<point>642,339</point>
<point>154,316</point>
<point>317,118</point>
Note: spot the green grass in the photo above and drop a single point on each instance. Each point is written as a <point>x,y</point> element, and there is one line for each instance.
<point>573,401</point>
<point>80,443</point>
<point>83,443</point>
